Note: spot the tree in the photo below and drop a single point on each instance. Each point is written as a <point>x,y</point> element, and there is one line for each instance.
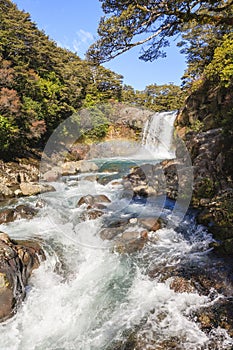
<point>153,22</point>
<point>220,69</point>
<point>165,97</point>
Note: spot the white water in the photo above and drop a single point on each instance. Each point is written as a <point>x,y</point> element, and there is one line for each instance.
<point>158,135</point>
<point>85,297</point>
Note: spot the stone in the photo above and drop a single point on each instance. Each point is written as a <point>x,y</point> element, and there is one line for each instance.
<point>78,152</point>
<point>6,215</point>
<point>69,168</point>
<point>110,232</point>
<point>52,175</point>
<point>84,166</point>
<point>93,200</point>
<point>24,212</point>
<point>5,191</point>
<point>130,242</point>
<point>150,224</point>
<point>182,285</point>
<point>32,189</point>
<point>91,214</point>
<point>20,212</point>
<point>18,259</point>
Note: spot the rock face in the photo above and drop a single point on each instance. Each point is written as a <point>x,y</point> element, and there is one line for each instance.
<point>213,188</point>
<point>17,261</point>
<point>14,173</point>
<point>206,112</point>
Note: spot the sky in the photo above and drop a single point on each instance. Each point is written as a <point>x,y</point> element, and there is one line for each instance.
<point>73,25</point>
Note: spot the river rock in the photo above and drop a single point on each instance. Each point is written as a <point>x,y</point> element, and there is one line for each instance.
<point>52,175</point>
<point>108,233</point>
<point>31,189</point>
<point>6,215</point>
<point>17,261</point>
<point>5,192</point>
<point>93,201</point>
<point>74,167</point>
<point>182,285</point>
<point>69,168</point>
<point>20,212</point>
<point>92,214</point>
<point>150,223</point>
<point>130,241</point>
<point>85,166</point>
<point>78,152</point>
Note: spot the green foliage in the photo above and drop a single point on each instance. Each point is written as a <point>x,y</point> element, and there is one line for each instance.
<point>155,97</point>
<point>197,126</point>
<point>220,68</point>
<point>42,84</point>
<point>94,122</point>
<point>129,24</point>
<point>8,135</point>
<point>206,189</point>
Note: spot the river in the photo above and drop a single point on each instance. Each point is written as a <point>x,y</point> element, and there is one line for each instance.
<point>86,296</point>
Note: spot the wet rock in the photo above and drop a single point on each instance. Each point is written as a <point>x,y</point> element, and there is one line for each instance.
<point>85,166</point>
<point>131,241</point>
<point>5,192</point>
<point>41,203</point>
<point>24,212</point>
<point>110,232</point>
<point>217,315</point>
<point>20,212</point>
<point>92,201</point>
<point>17,261</point>
<point>31,189</point>
<point>52,175</point>
<point>6,215</point>
<point>91,214</point>
<point>91,178</point>
<point>153,180</point>
<point>181,285</point>
<point>69,168</point>
<point>150,223</point>
<point>78,152</point>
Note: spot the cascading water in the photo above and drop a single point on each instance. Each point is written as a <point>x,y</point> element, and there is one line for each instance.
<point>158,135</point>
<point>87,297</point>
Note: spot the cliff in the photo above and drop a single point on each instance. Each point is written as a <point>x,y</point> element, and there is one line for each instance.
<point>205,125</point>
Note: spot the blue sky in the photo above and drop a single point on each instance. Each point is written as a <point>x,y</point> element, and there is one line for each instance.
<point>73,24</point>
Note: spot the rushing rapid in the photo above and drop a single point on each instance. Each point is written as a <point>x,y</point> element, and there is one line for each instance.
<point>87,296</point>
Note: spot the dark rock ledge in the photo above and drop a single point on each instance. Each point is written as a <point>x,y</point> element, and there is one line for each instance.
<point>18,259</point>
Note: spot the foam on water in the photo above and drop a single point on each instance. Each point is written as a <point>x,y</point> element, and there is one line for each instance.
<point>85,298</point>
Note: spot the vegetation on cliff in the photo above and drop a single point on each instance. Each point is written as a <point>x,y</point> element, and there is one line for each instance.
<point>42,84</point>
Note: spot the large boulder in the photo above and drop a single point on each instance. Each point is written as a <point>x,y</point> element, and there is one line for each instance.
<point>32,189</point>
<point>17,261</point>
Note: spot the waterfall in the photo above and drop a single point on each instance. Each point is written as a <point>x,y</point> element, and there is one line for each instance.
<point>158,135</point>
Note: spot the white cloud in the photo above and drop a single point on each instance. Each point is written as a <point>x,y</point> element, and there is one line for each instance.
<point>79,44</point>
<point>82,42</point>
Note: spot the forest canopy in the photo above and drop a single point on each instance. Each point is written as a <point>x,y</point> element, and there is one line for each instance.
<point>42,84</point>
<point>150,23</point>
